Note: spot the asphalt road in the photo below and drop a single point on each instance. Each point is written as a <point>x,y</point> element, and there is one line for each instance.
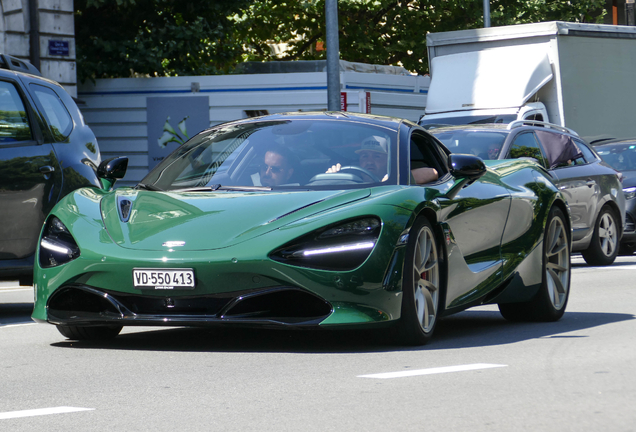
<point>480,373</point>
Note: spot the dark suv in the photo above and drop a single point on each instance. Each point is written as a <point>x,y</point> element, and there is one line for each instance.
<point>46,151</point>
<point>591,187</point>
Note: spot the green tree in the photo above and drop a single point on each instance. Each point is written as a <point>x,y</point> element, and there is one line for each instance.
<point>387,31</point>
<point>120,38</point>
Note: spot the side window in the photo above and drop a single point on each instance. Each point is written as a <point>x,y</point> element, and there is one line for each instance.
<point>14,121</point>
<point>525,145</point>
<point>425,154</point>
<point>59,120</point>
<point>587,153</point>
<point>537,117</point>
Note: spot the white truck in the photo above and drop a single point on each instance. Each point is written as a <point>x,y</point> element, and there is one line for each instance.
<point>580,76</point>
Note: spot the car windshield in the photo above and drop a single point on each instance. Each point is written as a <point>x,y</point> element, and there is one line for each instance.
<point>286,154</point>
<point>621,157</point>
<point>486,144</point>
<point>432,123</point>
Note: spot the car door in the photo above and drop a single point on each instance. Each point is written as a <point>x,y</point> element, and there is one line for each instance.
<point>473,223</point>
<point>579,184</point>
<point>30,178</point>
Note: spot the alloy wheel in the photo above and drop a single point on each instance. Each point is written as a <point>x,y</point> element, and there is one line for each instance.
<point>426,279</point>
<point>607,234</point>
<point>557,269</point>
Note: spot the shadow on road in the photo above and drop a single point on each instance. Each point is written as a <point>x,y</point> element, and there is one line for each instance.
<point>15,313</point>
<point>471,328</point>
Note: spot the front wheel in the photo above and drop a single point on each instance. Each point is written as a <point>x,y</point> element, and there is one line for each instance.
<point>604,245</point>
<point>550,302</point>
<point>421,285</point>
<point>89,333</point>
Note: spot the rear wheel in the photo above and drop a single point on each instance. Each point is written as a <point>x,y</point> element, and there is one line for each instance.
<point>421,285</point>
<point>604,245</point>
<point>89,333</point>
<point>550,302</point>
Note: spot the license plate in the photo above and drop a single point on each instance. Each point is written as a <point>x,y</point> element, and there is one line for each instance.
<point>163,279</point>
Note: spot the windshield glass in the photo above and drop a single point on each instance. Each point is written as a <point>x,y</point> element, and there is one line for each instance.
<point>290,154</point>
<point>621,157</point>
<point>485,144</point>
<point>455,121</point>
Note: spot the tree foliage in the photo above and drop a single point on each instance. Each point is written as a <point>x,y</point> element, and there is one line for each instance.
<point>198,37</point>
<point>389,31</point>
<point>120,38</point>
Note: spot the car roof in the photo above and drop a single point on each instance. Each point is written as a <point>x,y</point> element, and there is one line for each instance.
<point>503,127</point>
<point>10,73</point>
<point>482,126</point>
<point>614,141</point>
<point>13,67</point>
<point>390,122</point>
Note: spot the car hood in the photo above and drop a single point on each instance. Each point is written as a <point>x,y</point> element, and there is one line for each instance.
<point>208,220</point>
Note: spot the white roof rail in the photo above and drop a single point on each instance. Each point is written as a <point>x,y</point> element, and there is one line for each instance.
<point>519,123</point>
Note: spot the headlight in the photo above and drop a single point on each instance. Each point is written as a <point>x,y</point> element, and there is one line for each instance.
<point>340,247</point>
<point>629,192</point>
<point>57,245</point>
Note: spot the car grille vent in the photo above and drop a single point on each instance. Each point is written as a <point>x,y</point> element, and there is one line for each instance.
<point>284,305</point>
<point>278,305</point>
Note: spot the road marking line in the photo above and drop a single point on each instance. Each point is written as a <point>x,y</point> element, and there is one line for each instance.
<point>616,267</point>
<point>16,325</point>
<point>41,411</point>
<point>432,371</point>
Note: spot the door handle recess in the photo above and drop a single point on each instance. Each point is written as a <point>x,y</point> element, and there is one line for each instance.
<point>47,169</point>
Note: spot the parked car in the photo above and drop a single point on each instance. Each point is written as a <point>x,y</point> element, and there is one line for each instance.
<point>46,151</point>
<point>620,154</point>
<point>591,187</point>
<point>251,223</point>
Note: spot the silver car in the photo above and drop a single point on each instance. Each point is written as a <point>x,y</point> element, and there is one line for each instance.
<point>591,187</point>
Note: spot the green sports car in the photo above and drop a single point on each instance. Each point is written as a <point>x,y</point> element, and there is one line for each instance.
<point>318,220</point>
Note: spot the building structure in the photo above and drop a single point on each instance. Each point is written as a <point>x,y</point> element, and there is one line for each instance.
<point>41,32</point>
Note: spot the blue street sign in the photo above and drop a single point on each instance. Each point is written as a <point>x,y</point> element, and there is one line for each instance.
<point>58,48</point>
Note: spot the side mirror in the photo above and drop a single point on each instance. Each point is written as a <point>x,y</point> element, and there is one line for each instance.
<point>466,166</point>
<point>466,169</point>
<point>111,170</point>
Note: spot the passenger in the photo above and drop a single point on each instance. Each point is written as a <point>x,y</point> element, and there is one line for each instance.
<point>374,156</point>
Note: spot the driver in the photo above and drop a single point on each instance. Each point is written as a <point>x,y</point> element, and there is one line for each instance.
<point>277,167</point>
<point>493,151</point>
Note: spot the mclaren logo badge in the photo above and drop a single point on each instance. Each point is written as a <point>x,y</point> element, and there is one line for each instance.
<point>173,244</point>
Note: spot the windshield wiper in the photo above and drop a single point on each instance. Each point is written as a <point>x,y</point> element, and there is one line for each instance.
<point>216,187</point>
<point>210,188</point>
<point>148,187</point>
<point>245,188</point>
